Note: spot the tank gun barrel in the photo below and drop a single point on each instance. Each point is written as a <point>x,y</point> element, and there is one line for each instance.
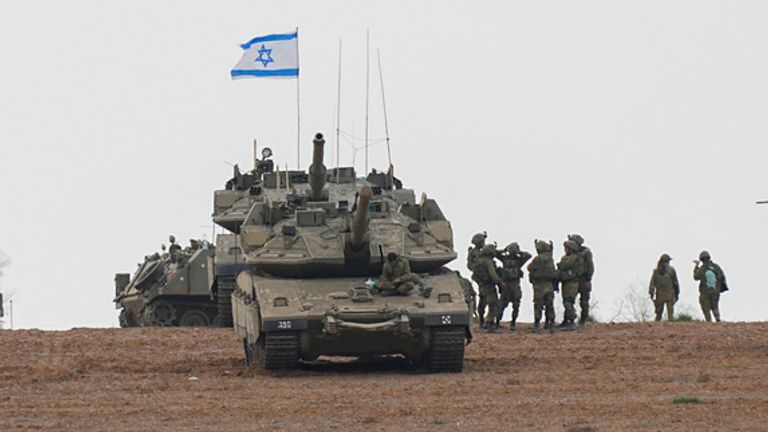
<point>317,171</point>
<point>360,220</point>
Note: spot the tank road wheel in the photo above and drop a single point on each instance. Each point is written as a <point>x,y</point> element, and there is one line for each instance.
<point>224,300</point>
<point>447,351</point>
<point>126,319</point>
<point>161,314</point>
<point>277,350</point>
<point>194,318</point>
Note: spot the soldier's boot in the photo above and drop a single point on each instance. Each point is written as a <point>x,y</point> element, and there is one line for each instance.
<point>515,312</point>
<point>564,323</point>
<point>551,325</point>
<point>535,328</point>
<point>512,326</point>
<point>481,321</point>
<point>569,326</point>
<point>583,318</point>
<point>707,316</point>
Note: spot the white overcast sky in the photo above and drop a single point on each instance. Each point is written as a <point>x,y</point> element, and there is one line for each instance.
<point>639,124</point>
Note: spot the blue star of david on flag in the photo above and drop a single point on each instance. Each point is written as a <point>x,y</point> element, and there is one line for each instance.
<point>264,60</point>
<point>270,56</point>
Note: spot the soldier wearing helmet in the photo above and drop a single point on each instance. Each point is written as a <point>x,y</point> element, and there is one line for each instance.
<point>664,288</point>
<point>488,279</point>
<point>473,258</point>
<point>569,269</point>
<point>512,260</point>
<point>711,283</point>
<point>585,278</point>
<point>541,273</point>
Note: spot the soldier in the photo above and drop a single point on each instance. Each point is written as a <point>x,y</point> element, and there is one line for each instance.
<point>396,277</point>
<point>173,247</point>
<point>541,273</point>
<point>664,288</point>
<point>512,260</point>
<point>487,277</point>
<point>711,283</point>
<point>585,278</point>
<point>473,257</point>
<point>568,270</point>
<point>470,295</point>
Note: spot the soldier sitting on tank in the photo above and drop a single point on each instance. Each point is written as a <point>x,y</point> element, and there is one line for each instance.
<point>396,277</point>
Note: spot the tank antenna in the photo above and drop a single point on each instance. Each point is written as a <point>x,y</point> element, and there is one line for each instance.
<point>367,86</point>
<point>386,123</point>
<point>255,156</point>
<point>338,114</point>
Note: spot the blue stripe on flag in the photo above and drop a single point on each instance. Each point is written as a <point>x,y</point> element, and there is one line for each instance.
<point>265,73</point>
<point>268,38</point>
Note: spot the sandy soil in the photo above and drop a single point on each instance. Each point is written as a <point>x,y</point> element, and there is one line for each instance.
<point>606,377</point>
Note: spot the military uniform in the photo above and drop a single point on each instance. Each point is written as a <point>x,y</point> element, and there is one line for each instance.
<point>568,270</point>
<point>664,288</point>
<point>512,261</point>
<point>485,274</point>
<point>541,273</point>
<point>396,277</point>
<point>473,257</point>
<point>711,281</point>
<point>585,278</point>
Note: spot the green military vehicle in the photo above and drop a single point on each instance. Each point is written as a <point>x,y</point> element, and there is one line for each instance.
<point>231,205</point>
<point>169,288</point>
<point>315,243</point>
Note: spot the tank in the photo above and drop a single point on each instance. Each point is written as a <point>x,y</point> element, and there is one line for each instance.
<point>314,244</point>
<point>231,205</point>
<point>169,288</point>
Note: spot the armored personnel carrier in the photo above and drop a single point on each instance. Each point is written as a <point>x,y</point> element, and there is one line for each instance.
<point>169,288</point>
<point>314,243</point>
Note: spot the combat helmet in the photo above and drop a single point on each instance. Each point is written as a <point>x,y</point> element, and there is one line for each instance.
<point>572,245</point>
<point>512,247</point>
<point>542,246</point>
<point>704,256</point>
<point>665,258</point>
<point>578,239</point>
<point>478,238</point>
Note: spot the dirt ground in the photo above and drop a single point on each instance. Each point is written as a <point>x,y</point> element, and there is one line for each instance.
<point>607,377</point>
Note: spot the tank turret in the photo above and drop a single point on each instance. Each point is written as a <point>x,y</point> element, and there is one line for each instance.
<point>317,171</point>
<point>359,227</point>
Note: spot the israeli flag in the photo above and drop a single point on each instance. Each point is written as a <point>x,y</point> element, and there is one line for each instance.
<point>270,56</point>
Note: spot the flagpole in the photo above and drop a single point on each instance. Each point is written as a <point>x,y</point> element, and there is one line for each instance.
<point>298,106</point>
<point>338,114</point>
<point>367,73</point>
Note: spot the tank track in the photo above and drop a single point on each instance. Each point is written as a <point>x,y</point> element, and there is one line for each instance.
<point>226,285</point>
<point>278,350</point>
<point>447,351</point>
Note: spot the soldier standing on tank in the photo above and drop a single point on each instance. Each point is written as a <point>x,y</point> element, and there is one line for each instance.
<point>568,270</point>
<point>664,288</point>
<point>711,283</point>
<point>473,257</point>
<point>488,279</point>
<point>396,276</point>
<point>512,260</point>
<point>542,273</point>
<point>585,278</point>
